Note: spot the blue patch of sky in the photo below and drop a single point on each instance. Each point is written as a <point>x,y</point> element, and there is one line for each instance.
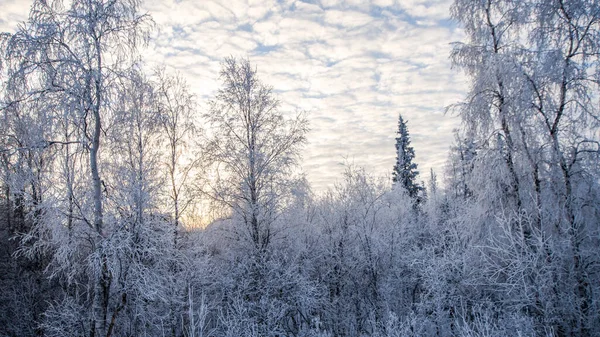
<point>331,63</point>
<point>378,12</point>
<point>262,49</point>
<point>246,27</point>
<point>448,23</point>
<point>267,16</point>
<point>416,65</point>
<point>312,2</point>
<point>283,4</point>
<point>378,55</point>
<point>376,76</point>
<point>178,30</point>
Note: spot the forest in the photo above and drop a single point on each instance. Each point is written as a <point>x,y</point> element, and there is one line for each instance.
<point>104,165</point>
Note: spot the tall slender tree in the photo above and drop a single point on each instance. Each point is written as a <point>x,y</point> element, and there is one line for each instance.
<point>405,171</point>
<point>258,148</point>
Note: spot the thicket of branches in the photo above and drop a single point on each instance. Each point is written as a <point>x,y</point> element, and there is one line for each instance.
<point>104,167</point>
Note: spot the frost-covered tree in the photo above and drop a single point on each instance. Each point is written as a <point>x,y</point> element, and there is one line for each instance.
<point>177,110</point>
<point>531,110</point>
<point>140,250</point>
<point>98,168</point>
<point>405,170</point>
<point>177,119</point>
<point>66,63</point>
<point>459,166</point>
<point>256,148</point>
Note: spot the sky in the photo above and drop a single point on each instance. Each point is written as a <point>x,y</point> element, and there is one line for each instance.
<point>352,66</point>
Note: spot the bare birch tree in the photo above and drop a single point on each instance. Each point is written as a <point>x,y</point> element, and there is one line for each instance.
<point>255,147</point>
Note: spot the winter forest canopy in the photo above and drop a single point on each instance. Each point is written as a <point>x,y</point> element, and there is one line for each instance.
<point>106,165</point>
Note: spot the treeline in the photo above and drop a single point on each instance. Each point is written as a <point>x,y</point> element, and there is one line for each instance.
<point>104,165</point>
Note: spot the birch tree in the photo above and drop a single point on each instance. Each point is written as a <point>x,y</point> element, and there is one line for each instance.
<point>68,58</point>
<point>177,108</point>
<point>534,75</point>
<point>256,148</point>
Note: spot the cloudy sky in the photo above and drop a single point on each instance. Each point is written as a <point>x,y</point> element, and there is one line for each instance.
<point>352,65</point>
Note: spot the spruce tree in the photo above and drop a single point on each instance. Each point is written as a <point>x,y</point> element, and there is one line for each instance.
<point>405,171</point>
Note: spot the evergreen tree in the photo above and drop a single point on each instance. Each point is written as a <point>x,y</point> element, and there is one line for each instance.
<point>405,171</point>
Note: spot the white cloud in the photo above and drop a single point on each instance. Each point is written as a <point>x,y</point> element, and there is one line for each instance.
<point>383,3</point>
<point>305,7</point>
<point>432,9</point>
<point>178,13</point>
<point>353,65</point>
<point>347,19</point>
<point>330,3</point>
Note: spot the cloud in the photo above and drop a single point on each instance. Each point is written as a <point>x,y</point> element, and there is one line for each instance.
<point>347,19</point>
<point>12,12</point>
<point>352,65</point>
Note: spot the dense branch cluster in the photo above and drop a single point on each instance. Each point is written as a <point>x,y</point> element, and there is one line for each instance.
<point>107,170</point>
